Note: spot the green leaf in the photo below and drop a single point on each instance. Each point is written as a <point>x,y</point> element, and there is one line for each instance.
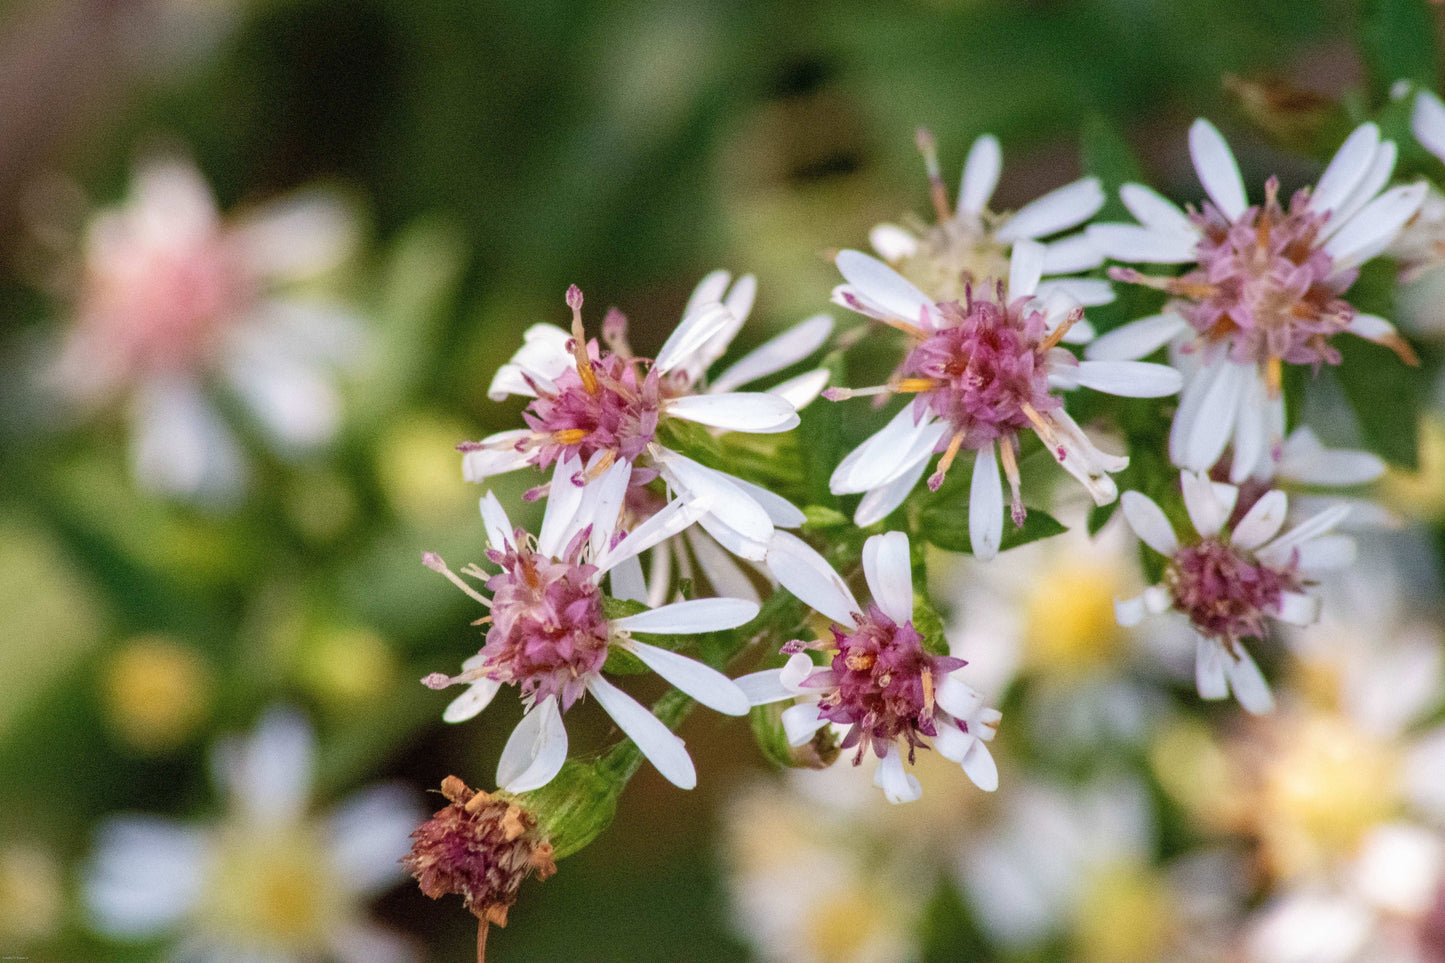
<point>1106,154</point>
<point>1387,396</point>
<point>929,624</point>
<point>946,526</point>
<point>1397,39</point>
<point>822,517</point>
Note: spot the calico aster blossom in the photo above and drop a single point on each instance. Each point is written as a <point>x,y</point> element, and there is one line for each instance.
<point>981,371</point>
<point>971,244</point>
<point>1229,581</point>
<point>268,881</point>
<point>172,297</point>
<point>604,404</point>
<point>1265,288</point>
<point>549,634</point>
<point>881,685</point>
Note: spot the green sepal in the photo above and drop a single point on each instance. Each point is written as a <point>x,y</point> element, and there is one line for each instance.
<point>929,625</point>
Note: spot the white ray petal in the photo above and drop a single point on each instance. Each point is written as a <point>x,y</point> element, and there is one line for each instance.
<point>691,333</point>
<point>985,505</point>
<point>1156,212</point>
<point>498,457</point>
<point>478,696</point>
<point>1129,379</point>
<point>887,453</point>
<point>665,523</point>
<point>755,411</point>
<point>367,836</point>
<point>980,175</point>
<point>978,764</point>
<point>1130,612</point>
<point>783,513</point>
<point>1026,266</point>
<point>1218,172</point>
<point>804,389</point>
<point>1278,551</point>
<point>883,286</point>
<point>880,502</point>
<point>763,688</point>
<point>1071,254</point>
<point>1427,122</point>
<point>1372,327</point>
<point>1137,339</point>
<point>1371,230</point>
<point>740,297</point>
<point>1327,552</point>
<point>958,698</point>
<point>1261,522</point>
<point>1090,292</point>
<point>790,347</point>
<point>889,573</point>
<point>1247,682</point>
<point>729,505</point>
<point>146,875</point>
<point>892,242</point>
<point>722,572</point>
<point>802,571</point>
<point>602,502</point>
<point>1221,387</point>
<point>563,501</point>
<point>1308,462</point>
<point>1251,431</point>
<point>801,722</point>
<point>1143,245</point>
<point>627,580</point>
<point>536,749</point>
<point>709,291</point>
<point>1346,169</point>
<point>1297,608</point>
<point>1206,509</point>
<point>1210,677</point>
<point>1149,522</point>
<point>690,617</point>
<point>898,785</point>
<point>1056,211</point>
<point>498,526</point>
<point>689,676</point>
<point>664,749</point>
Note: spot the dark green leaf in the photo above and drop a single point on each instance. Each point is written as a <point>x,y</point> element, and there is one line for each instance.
<point>1397,39</point>
<point>1387,396</point>
<point>947,528</point>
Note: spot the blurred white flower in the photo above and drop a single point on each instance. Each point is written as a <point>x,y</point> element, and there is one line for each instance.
<point>269,880</point>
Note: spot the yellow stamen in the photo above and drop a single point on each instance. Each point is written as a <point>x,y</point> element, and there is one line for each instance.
<point>908,386</point>
<point>569,436</point>
<point>1052,341</point>
<point>927,676</point>
<point>1274,376</point>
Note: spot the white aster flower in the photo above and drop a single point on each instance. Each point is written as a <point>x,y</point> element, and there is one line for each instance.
<point>268,881</point>
<point>173,297</point>
<point>981,371</point>
<point>1265,288</point>
<point>971,245</point>
<point>590,401</point>
<point>550,636</point>
<point>1229,579</point>
<point>881,683</point>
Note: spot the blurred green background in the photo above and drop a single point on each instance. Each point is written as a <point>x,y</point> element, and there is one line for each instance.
<point>500,150</point>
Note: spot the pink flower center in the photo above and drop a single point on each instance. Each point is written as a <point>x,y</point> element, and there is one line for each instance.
<point>983,370</point>
<point>1225,595</point>
<point>885,684</point>
<point>612,408</point>
<point>548,633</point>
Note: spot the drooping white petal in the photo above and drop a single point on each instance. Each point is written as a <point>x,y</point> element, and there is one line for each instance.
<point>952,743</point>
<point>703,683</point>
<point>499,455</point>
<point>889,452</point>
<point>691,333</point>
<point>755,411</point>
<point>665,523</point>
<point>883,286</point>
<point>803,390</point>
<point>1209,672</point>
<point>1206,510</point>
<point>879,503</point>
<point>1137,339</point>
<point>740,297</point>
<point>1211,399</point>
<point>1278,551</point>
<point>1026,266</point>
<point>1218,172</point>
<point>800,722</point>
<point>1129,379</point>
<point>536,749</point>
<point>898,785</point>
<point>602,500</point>
<point>1427,122</point>
<point>1347,169</point>
<point>690,617</point>
<point>1261,522</point>
<point>1248,683</point>
<point>478,696</point>
<point>958,698</point>
<point>892,242</point>
<point>1089,292</point>
<point>794,675</point>
<point>980,175</point>
<point>985,505</point>
<point>559,519</point>
<point>1071,254</point>
<point>1371,230</point>
<point>802,571</point>
<point>709,291</point>
<point>1251,441</point>
<point>1326,552</point>
<point>1056,211</point>
<point>764,687</point>
<point>494,519</point>
<point>660,745</point>
<point>1130,612</point>
<point>1155,211</point>
<point>1149,522</point>
<point>790,347</point>
<point>889,573</point>
<point>1298,608</point>
<point>1137,244</point>
<point>734,517</point>
<point>268,774</point>
<point>978,764</point>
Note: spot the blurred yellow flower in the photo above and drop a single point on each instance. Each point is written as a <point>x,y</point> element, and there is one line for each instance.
<point>157,692</point>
